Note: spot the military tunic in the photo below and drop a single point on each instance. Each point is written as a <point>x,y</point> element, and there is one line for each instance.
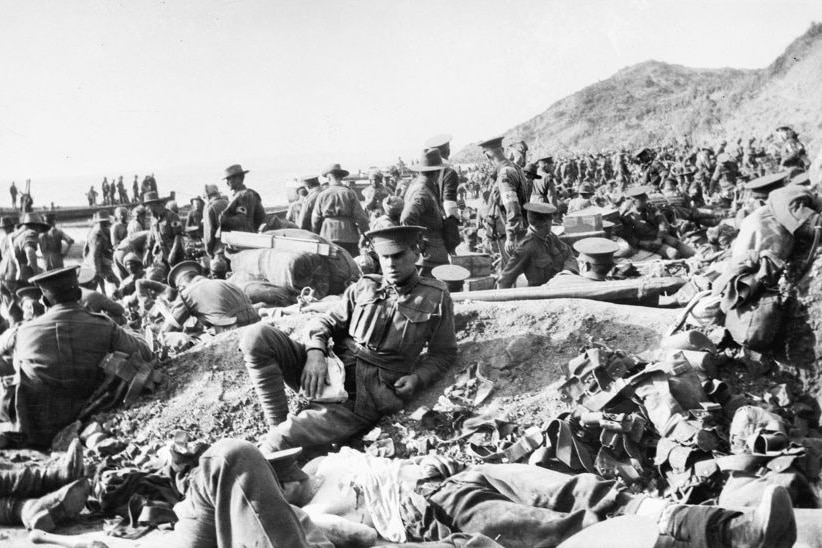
<point>215,303</point>
<point>57,362</point>
<point>165,239</point>
<point>422,209</point>
<point>24,247</point>
<point>211,222</point>
<point>51,247</point>
<point>244,213</point>
<point>379,331</point>
<point>338,216</point>
<point>304,220</point>
<point>513,191</point>
<point>540,258</point>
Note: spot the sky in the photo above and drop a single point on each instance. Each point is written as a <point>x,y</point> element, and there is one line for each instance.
<point>135,86</point>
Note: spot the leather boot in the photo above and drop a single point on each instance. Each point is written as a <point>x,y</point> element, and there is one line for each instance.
<point>268,383</point>
<point>771,524</point>
<point>34,481</point>
<point>46,512</point>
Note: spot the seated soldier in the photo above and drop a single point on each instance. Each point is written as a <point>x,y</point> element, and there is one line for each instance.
<point>41,497</point>
<point>217,304</point>
<point>57,359</point>
<point>135,271</point>
<point>540,254</point>
<point>648,229</point>
<point>596,260</point>
<point>378,329</point>
<point>516,505</point>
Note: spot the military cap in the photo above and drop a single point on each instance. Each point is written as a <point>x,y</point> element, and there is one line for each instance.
<point>100,217</point>
<point>496,142</point>
<point>596,250</point>
<point>233,170</point>
<point>85,275</point>
<point>182,268</point>
<point>766,183</point>
<point>151,197</point>
<point>540,208</point>
<point>57,279</point>
<point>641,151</point>
<point>547,159</point>
<point>6,222</point>
<point>336,170</point>
<point>531,170</point>
<point>438,141</point>
<point>210,190</point>
<point>29,292</point>
<point>33,220</point>
<point>803,178</point>
<point>431,160</point>
<point>637,191</point>
<point>285,466</point>
<point>395,239</point>
<point>453,275</point>
<point>586,188</point>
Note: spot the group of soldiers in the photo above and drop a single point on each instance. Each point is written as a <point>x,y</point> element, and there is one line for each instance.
<point>112,193</point>
<point>391,331</point>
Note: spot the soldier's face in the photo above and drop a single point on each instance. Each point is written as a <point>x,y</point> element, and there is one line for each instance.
<point>400,266</point>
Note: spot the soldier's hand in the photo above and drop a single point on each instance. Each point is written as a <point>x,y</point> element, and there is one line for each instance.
<point>510,245</point>
<point>315,374</point>
<point>406,386</point>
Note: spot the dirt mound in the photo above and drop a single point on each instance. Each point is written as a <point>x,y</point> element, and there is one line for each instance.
<point>522,347</point>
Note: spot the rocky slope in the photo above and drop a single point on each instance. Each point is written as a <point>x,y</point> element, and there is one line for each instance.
<point>656,102</point>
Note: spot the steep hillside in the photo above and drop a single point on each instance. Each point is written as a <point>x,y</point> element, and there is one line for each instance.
<point>655,102</point>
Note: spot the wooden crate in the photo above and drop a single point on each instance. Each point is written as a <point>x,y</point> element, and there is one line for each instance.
<point>479,283</point>
<point>478,264</point>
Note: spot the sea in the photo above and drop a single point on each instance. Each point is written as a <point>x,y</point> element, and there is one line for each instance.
<point>270,176</point>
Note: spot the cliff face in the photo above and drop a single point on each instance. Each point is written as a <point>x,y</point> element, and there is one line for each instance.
<point>656,102</point>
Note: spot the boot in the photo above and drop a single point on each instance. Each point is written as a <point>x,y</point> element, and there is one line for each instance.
<point>771,524</point>
<point>46,512</point>
<point>34,481</point>
<point>268,383</point>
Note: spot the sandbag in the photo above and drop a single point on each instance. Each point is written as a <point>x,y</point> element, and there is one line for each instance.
<point>259,291</point>
<point>287,269</point>
<point>342,269</point>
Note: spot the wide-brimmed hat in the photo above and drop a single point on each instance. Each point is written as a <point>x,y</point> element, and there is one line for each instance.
<point>395,239</point>
<point>336,170</point>
<point>33,220</point>
<point>152,197</point>
<point>431,160</point>
<point>100,217</point>
<point>531,170</point>
<point>438,141</point>
<point>181,268</point>
<point>210,190</point>
<point>233,170</point>
<point>310,181</point>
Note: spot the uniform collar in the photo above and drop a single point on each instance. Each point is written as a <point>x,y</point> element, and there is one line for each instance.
<point>405,287</point>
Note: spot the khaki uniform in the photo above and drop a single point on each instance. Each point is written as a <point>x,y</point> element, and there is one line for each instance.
<point>57,367</point>
<point>215,303</point>
<point>339,217</point>
<point>540,258</point>
<point>51,247</point>
<point>304,220</point>
<point>422,209</point>
<point>513,191</point>
<point>24,247</point>
<point>211,222</point>
<point>244,213</point>
<point>165,238</point>
<point>379,332</point>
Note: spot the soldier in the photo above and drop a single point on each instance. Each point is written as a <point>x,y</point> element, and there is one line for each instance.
<point>508,195</point>
<point>119,228</point>
<point>98,253</point>
<point>540,254</point>
<point>312,184</point>
<point>51,244</point>
<point>758,191</point>
<point>517,153</point>
<point>792,150</point>
<point>135,190</point>
<point>25,243</point>
<point>121,190</point>
<point>165,239</point>
<point>245,212</point>
<point>104,190</point>
<point>596,260</point>
<point>585,192</point>
<point>422,208</point>
<point>194,220</point>
<point>217,304</point>
<point>57,359</point>
<point>13,192</point>
<point>449,178</point>
<point>293,213</point>
<point>374,194</point>
<point>338,215</point>
<point>544,187</point>
<point>648,229</point>
<point>378,329</point>
<point>211,220</point>
<point>139,220</point>
<point>94,301</point>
